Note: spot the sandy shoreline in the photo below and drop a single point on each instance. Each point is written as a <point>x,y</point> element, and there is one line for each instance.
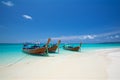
<point>95,65</point>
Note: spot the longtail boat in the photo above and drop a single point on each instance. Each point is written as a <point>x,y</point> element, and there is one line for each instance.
<point>53,48</point>
<point>37,49</point>
<point>71,48</point>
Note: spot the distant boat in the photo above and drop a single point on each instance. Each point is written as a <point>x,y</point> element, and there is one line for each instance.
<point>36,49</point>
<point>53,48</point>
<point>71,48</point>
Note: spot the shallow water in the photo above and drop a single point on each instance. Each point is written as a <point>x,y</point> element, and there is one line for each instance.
<point>12,53</point>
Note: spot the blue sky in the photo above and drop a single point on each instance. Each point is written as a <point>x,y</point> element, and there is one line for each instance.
<point>68,20</point>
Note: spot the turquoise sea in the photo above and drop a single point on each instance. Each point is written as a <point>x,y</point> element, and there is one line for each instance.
<point>12,53</point>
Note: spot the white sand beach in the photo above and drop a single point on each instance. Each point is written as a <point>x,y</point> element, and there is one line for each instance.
<point>101,64</point>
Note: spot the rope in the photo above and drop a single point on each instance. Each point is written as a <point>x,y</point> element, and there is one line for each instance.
<point>11,64</point>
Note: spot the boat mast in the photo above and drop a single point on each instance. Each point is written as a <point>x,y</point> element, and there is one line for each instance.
<point>47,45</point>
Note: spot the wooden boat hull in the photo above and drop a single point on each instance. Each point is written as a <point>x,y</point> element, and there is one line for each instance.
<point>35,51</point>
<point>52,49</point>
<point>72,49</point>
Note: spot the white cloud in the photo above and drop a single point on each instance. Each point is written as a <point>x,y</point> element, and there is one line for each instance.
<point>27,17</point>
<point>8,3</point>
<point>88,37</point>
<point>117,36</point>
<point>108,35</point>
<point>81,37</point>
<point>111,37</point>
